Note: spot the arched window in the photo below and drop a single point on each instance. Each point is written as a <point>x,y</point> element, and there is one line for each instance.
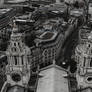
<point>14,44</point>
<point>45,52</point>
<point>18,44</point>
<point>13,49</point>
<point>91,62</point>
<point>88,45</point>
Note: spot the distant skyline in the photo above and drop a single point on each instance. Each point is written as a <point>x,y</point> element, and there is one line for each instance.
<point>17,1</point>
<point>14,1</point>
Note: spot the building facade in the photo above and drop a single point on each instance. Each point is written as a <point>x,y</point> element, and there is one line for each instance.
<point>50,44</point>
<point>83,34</point>
<point>6,16</point>
<point>79,15</point>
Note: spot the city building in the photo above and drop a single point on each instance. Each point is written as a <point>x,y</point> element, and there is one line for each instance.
<point>36,57</point>
<point>5,34</point>
<point>51,44</point>
<point>83,34</point>
<point>6,16</point>
<point>3,63</point>
<point>69,1</point>
<point>14,1</point>
<point>48,39</point>
<point>35,68</point>
<point>22,61</point>
<point>46,1</point>
<point>59,10</point>
<point>90,9</point>
<point>24,23</point>
<point>74,1</point>
<point>79,15</point>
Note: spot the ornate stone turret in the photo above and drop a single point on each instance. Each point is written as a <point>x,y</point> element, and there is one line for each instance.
<point>18,55</point>
<point>83,57</point>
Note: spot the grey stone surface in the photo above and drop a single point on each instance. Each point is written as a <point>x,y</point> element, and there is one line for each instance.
<point>53,80</point>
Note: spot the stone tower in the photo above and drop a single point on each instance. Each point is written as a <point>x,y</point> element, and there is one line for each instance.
<point>18,68</point>
<point>83,57</point>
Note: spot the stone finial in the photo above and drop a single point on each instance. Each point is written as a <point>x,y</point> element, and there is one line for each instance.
<point>15,28</point>
<point>54,62</point>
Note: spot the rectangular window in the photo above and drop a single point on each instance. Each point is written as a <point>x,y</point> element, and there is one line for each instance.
<point>28,58</point>
<point>22,60</point>
<point>84,61</point>
<point>15,58</point>
<point>91,62</point>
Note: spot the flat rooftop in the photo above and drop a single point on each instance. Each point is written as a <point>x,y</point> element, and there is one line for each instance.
<point>58,7</point>
<point>3,11</point>
<point>76,12</point>
<point>47,36</point>
<point>15,1</point>
<point>48,24</point>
